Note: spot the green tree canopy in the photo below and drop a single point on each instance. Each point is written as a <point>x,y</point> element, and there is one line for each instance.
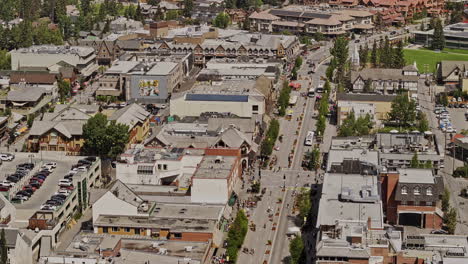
<point>403,110</point>
<point>104,138</point>
<point>296,249</point>
<point>222,20</point>
<point>438,38</point>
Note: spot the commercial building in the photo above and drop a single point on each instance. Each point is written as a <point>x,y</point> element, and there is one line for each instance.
<point>61,130</point>
<point>44,56</point>
<point>456,36</point>
<point>453,73</point>
<point>397,150</point>
<point>239,98</point>
<point>233,69</point>
<point>136,118</point>
<point>120,211</point>
<point>411,198</point>
<point>377,105</point>
<point>386,81</point>
<point>27,99</point>
<point>215,178</point>
<point>209,43</point>
<point>303,19</point>
<point>145,77</point>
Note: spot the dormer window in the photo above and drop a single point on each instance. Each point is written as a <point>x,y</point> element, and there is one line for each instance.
<point>404,190</point>
<point>429,191</point>
<point>417,190</point>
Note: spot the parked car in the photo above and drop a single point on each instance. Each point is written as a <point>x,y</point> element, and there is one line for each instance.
<point>48,207</point>
<point>24,193</point>
<point>50,164</point>
<point>65,183</point>
<point>7,183</point>
<point>12,179</point>
<point>4,188</point>
<point>29,166</point>
<point>63,192</point>
<point>29,186</point>
<point>7,157</point>
<point>21,198</point>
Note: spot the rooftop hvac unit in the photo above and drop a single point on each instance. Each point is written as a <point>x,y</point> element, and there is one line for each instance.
<point>188,249</point>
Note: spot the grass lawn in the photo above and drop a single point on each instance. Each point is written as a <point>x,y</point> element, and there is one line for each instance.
<point>431,58</point>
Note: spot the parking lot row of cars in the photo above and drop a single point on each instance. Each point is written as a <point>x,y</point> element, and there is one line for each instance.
<point>35,182</point>
<point>66,185</point>
<point>444,119</point>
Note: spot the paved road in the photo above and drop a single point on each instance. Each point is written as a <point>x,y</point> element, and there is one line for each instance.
<point>453,184</point>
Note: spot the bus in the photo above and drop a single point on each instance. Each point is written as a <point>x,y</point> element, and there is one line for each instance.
<point>293,100</point>
<point>311,92</point>
<point>320,87</point>
<point>309,140</point>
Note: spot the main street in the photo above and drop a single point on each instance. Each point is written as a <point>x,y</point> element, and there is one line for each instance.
<point>269,239</point>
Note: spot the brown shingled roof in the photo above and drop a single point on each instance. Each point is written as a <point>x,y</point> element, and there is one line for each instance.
<point>32,77</point>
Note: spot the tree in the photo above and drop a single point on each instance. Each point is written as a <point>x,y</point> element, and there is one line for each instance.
<point>64,89</point>
<point>222,20</point>
<point>340,52</point>
<point>386,54</point>
<point>313,159</point>
<point>236,235</point>
<point>153,2</point>
<point>423,124</point>
<point>355,127</point>
<point>398,56</point>
<point>368,86</point>
<point>414,161</point>
<point>319,36</point>
<point>438,39</point>
<point>188,7</point>
<point>283,99</point>
<point>3,248</point>
<point>103,138</point>
<point>403,110</point>
<point>446,200</point>
<point>363,55</point>
<point>374,59</point>
<point>450,220</point>
<point>296,249</point>
<point>5,60</point>
<point>321,125</point>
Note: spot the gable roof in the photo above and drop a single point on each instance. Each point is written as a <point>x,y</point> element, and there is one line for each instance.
<point>130,115</point>
<point>30,94</point>
<point>66,128</point>
<point>263,16</point>
<point>447,67</point>
<point>382,74</point>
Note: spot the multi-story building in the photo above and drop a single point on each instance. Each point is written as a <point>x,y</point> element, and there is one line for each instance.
<point>44,56</point>
<point>145,77</point>
<point>239,98</point>
<point>121,211</point>
<point>386,81</point>
<point>455,36</point>
<point>397,150</point>
<point>61,130</point>
<point>300,19</point>
<point>411,198</point>
<point>137,120</point>
<point>377,105</point>
<point>206,44</point>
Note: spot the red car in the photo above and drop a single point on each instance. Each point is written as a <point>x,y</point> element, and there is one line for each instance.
<point>36,179</point>
<point>4,188</point>
<point>29,187</point>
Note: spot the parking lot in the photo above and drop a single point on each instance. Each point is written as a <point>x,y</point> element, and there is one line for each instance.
<point>26,209</point>
<point>458,118</point>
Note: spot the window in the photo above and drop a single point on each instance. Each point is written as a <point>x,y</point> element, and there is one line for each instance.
<point>145,170</point>
<point>137,231</point>
<point>428,203</point>
<point>164,166</point>
<point>105,230</point>
<point>177,235</point>
<point>115,229</point>
<point>404,190</point>
<point>429,191</point>
<point>127,229</point>
<point>417,190</point>
<point>254,108</point>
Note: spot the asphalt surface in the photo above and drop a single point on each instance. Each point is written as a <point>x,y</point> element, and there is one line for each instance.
<point>455,185</point>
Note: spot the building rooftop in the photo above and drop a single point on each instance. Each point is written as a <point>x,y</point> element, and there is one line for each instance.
<point>363,155</point>
<point>150,155</point>
<point>215,167</point>
<point>162,68</point>
<point>51,49</point>
<point>29,94</point>
<point>350,197</point>
<point>416,176</point>
<point>406,143</point>
<point>122,67</point>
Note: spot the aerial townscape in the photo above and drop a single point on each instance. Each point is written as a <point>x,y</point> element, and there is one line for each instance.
<point>233,132</point>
